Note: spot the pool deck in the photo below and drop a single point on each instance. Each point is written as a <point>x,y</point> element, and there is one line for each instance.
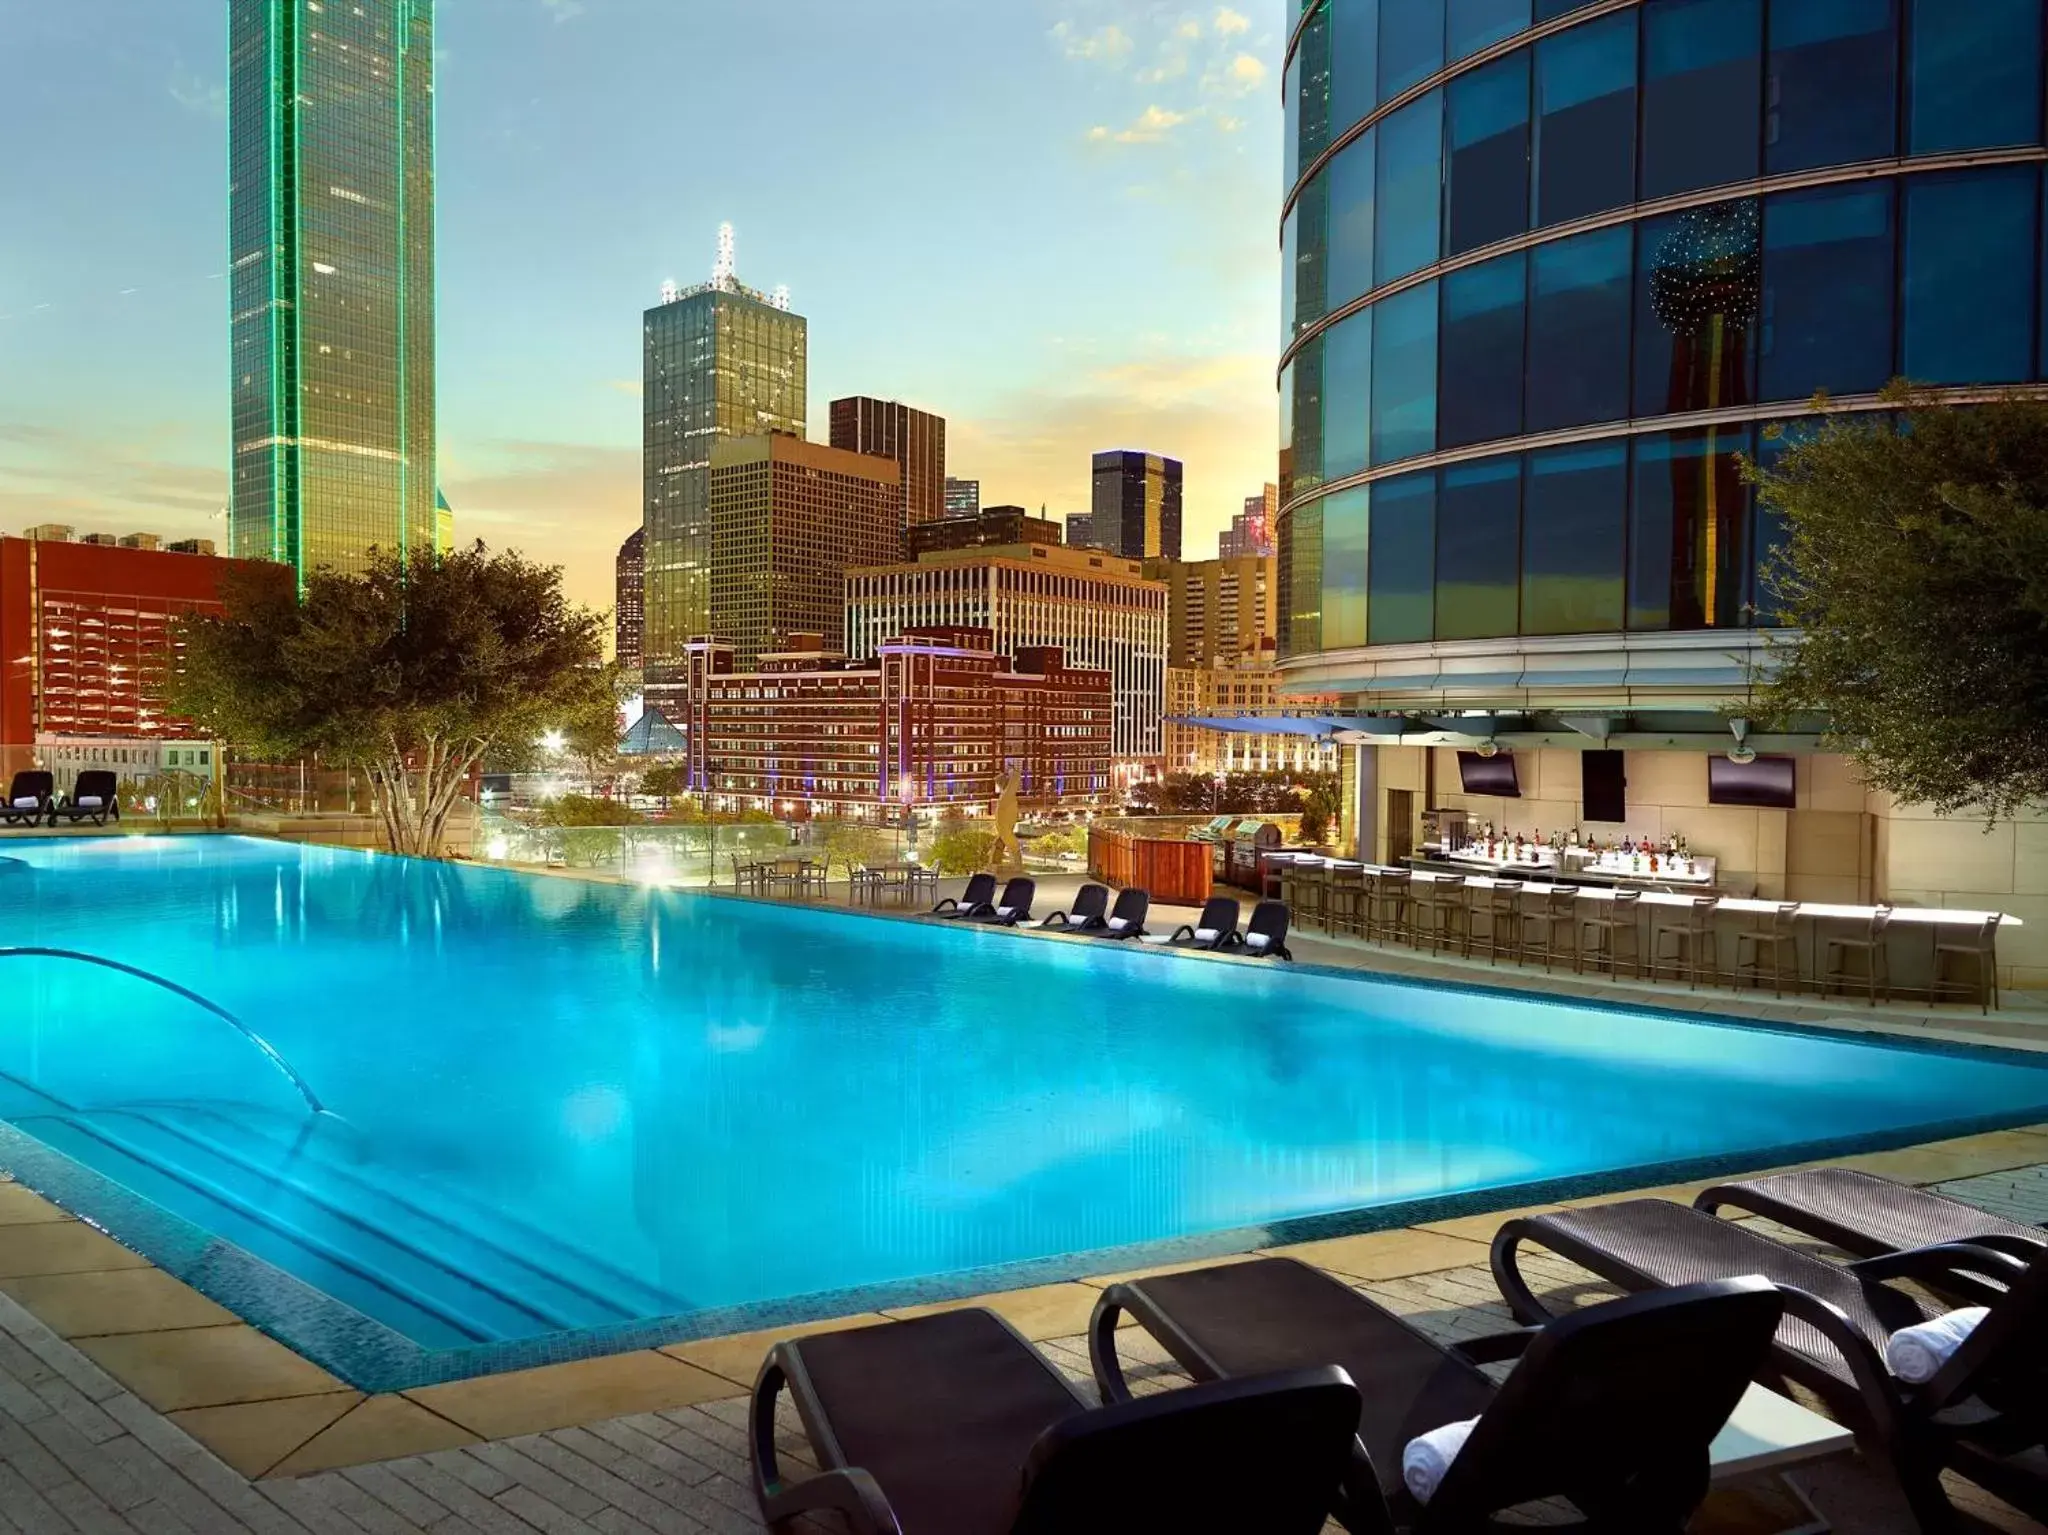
<point>130,1402</point>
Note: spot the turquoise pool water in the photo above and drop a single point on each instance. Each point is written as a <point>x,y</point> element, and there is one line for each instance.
<point>560,1110</point>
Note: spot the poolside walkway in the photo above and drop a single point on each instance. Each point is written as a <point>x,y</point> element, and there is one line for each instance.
<point>129,1403</point>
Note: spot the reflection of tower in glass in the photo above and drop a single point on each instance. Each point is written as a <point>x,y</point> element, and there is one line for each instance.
<point>1704,288</point>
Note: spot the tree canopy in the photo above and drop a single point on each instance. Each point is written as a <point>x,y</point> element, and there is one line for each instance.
<point>410,671</point>
<point>1915,570</point>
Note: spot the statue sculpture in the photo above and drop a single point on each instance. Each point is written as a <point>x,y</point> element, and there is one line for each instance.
<point>1007,854</point>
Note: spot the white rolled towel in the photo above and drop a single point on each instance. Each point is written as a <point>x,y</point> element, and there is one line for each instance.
<point>1429,1456</point>
<point>1006,912</point>
<point>1118,924</point>
<point>88,802</point>
<point>1256,940</point>
<point>29,803</point>
<point>1205,934</point>
<point>1916,1354</point>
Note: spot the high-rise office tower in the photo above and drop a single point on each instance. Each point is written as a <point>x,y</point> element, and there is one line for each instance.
<point>721,361</point>
<point>629,615</point>
<point>331,279</point>
<point>788,518</point>
<point>963,497</point>
<point>1136,509</point>
<point>1251,531</point>
<point>916,439</point>
<point>1081,531</point>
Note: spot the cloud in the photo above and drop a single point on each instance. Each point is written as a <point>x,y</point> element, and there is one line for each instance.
<point>1247,71</point>
<point>1150,127</point>
<point>562,503</point>
<point>1231,23</point>
<point>1188,31</point>
<point>631,386</point>
<point>1216,412</point>
<point>1225,123</point>
<point>563,10</point>
<point>1110,44</point>
<point>197,95</point>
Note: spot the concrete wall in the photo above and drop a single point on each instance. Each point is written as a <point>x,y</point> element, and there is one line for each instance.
<point>1842,843</point>
<point>1956,861</point>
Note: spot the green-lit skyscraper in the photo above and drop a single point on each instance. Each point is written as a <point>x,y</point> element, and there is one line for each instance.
<point>331,239</point>
<point>722,360</point>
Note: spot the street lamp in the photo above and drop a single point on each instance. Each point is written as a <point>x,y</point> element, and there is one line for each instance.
<point>553,742</point>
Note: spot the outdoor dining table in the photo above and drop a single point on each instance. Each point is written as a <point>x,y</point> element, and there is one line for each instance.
<point>902,880</point>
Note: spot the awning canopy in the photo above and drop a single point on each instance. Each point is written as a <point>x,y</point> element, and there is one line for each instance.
<point>1270,725</point>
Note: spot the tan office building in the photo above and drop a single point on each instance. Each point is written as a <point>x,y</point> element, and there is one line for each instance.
<point>1218,610</point>
<point>788,518</point>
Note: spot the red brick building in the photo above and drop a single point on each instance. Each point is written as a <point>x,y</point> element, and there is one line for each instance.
<point>85,637</point>
<point>932,720</point>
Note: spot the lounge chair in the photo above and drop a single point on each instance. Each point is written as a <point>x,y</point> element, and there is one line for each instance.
<point>1126,919</point>
<point>95,798</point>
<point>1615,1407</point>
<point>980,890</point>
<point>954,1425</point>
<point>1214,929</point>
<point>1265,936</point>
<point>1869,1216</point>
<point>1090,902</point>
<point>1981,1414</point>
<point>1011,907</point>
<point>29,799</point>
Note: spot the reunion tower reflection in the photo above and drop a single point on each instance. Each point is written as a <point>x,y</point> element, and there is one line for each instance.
<point>1705,283</point>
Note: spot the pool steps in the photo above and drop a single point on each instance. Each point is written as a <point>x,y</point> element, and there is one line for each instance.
<point>460,1275</point>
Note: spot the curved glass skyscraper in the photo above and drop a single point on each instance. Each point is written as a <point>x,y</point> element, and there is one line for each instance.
<point>1551,267</point>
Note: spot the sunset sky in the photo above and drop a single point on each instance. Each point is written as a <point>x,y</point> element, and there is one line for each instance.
<point>1051,221</point>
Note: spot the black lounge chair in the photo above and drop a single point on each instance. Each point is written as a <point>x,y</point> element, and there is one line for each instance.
<point>1265,936</point>
<point>95,798</point>
<point>1615,1407</point>
<point>1011,907</point>
<point>1090,902</point>
<point>28,799</point>
<point>980,889</point>
<point>1869,1216</point>
<point>1214,929</point>
<point>1982,1415</point>
<point>953,1425</point>
<point>1127,918</point>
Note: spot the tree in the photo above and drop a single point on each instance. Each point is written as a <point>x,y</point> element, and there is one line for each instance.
<point>411,671</point>
<point>1915,572</point>
<point>664,780</point>
<point>590,728</point>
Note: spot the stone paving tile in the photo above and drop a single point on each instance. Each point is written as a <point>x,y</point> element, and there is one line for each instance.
<point>122,1300</point>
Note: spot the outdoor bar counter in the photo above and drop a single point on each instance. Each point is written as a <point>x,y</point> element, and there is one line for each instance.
<point>1579,867</point>
<point>1909,939</point>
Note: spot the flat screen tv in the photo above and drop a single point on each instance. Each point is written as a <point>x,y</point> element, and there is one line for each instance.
<point>1489,775</point>
<point>1605,786</point>
<point>1765,784</point>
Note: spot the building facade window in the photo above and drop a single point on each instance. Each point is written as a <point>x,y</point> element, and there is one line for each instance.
<point>1727,301</point>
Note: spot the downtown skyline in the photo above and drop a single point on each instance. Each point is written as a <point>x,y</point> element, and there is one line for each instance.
<point>1109,288</point>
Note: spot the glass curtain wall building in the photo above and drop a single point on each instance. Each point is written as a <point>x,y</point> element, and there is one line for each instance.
<point>1550,267</point>
<point>721,361</point>
<point>331,279</point>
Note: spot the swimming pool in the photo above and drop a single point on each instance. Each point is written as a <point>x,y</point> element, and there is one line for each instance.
<point>562,1117</point>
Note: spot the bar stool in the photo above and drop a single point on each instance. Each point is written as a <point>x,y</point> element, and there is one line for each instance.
<point>1877,964</point>
<point>1310,883</point>
<point>1763,947</point>
<point>1556,915</point>
<point>1980,947</point>
<point>1441,915</point>
<point>1344,902</point>
<point>1387,905</point>
<point>1691,931</point>
<point>1500,904</point>
<point>1609,921</point>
